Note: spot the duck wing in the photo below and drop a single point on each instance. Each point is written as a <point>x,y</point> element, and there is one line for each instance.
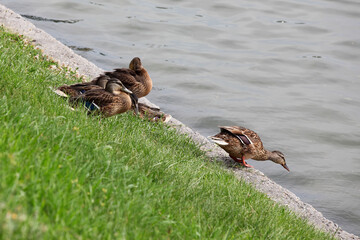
<point>83,87</point>
<point>76,89</point>
<point>253,136</point>
<point>126,76</point>
<point>250,141</point>
<point>245,135</point>
<point>99,96</point>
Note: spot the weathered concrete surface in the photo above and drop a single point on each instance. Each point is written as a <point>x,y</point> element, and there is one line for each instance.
<point>65,56</point>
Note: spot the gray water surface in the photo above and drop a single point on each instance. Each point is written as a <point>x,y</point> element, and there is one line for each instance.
<point>287,69</point>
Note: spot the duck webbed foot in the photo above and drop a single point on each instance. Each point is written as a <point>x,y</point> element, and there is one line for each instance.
<point>242,162</point>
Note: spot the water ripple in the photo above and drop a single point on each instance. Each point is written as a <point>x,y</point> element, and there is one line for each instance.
<point>43,19</point>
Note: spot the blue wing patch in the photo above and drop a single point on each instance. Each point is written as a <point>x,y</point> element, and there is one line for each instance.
<point>91,106</point>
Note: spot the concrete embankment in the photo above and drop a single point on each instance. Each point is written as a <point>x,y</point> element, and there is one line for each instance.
<point>65,56</point>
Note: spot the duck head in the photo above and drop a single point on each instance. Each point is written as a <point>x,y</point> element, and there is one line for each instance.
<point>115,86</point>
<point>136,64</point>
<point>102,81</point>
<point>279,158</point>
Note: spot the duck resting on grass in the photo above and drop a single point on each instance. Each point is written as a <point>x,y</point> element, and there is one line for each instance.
<point>112,100</point>
<point>135,78</point>
<point>242,143</point>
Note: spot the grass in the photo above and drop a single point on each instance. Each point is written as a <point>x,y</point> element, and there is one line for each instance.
<point>65,175</point>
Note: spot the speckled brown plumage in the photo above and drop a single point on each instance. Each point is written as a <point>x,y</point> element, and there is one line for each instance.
<point>112,100</point>
<point>243,143</point>
<point>80,88</point>
<point>135,78</point>
<point>76,89</point>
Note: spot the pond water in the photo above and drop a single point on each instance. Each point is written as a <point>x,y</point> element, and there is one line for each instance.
<point>287,69</point>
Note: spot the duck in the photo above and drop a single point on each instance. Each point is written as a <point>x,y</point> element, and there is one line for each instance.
<point>112,100</point>
<point>242,143</point>
<point>152,114</point>
<point>135,78</point>
<point>80,88</point>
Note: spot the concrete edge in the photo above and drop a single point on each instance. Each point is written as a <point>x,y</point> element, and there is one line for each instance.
<point>65,56</point>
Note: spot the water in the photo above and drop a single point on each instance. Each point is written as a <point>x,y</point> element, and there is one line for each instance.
<point>287,69</point>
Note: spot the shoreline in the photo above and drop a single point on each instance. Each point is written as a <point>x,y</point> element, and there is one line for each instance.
<point>65,56</point>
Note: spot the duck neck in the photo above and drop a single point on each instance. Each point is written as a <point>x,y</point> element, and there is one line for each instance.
<point>263,155</point>
<point>272,156</point>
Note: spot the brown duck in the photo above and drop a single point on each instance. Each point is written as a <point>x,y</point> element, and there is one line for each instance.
<point>242,143</point>
<point>80,88</point>
<point>112,100</point>
<point>135,78</point>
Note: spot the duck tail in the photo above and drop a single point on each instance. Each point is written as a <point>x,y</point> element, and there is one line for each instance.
<point>218,141</point>
<point>59,92</point>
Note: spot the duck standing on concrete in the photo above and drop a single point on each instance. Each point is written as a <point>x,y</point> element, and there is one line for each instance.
<point>135,78</point>
<point>244,143</point>
<point>112,100</point>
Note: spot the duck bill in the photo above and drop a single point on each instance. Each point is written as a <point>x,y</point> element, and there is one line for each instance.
<point>286,167</point>
<point>127,90</point>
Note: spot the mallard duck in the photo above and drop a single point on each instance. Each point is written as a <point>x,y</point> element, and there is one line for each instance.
<point>135,78</point>
<point>112,100</point>
<point>242,143</point>
<point>152,114</point>
<point>80,88</point>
